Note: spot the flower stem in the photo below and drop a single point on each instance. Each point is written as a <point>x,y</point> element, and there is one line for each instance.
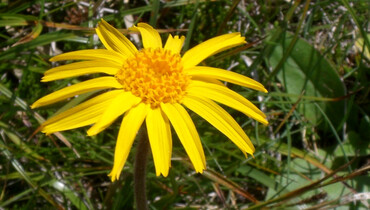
<point>140,169</point>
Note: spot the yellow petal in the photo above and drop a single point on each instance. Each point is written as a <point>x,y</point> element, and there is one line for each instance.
<point>79,88</point>
<point>210,47</point>
<point>150,36</point>
<point>130,125</point>
<point>227,97</point>
<point>80,68</point>
<point>187,134</point>
<point>221,120</point>
<point>174,43</point>
<point>119,105</point>
<point>114,40</point>
<point>159,133</point>
<point>208,80</point>
<point>227,76</point>
<point>98,54</point>
<point>81,115</point>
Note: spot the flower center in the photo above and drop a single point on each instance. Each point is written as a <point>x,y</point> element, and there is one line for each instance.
<point>154,75</point>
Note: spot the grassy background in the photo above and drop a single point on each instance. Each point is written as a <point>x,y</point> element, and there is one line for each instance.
<point>312,56</point>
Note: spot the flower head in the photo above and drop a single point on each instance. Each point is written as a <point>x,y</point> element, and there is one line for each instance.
<point>152,84</point>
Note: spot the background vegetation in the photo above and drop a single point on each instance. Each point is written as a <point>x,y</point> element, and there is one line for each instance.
<point>312,56</point>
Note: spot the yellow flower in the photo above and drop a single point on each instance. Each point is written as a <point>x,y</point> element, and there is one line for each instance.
<point>152,84</point>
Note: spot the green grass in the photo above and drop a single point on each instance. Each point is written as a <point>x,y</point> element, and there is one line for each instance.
<point>312,56</point>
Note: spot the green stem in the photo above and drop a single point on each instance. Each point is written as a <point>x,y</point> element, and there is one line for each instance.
<point>140,169</point>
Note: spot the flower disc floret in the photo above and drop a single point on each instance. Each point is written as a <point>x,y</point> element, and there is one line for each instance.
<point>154,75</point>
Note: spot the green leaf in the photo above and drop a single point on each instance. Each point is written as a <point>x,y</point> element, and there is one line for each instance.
<point>15,22</point>
<point>307,71</point>
<point>354,146</point>
<point>31,36</point>
<point>218,178</point>
<point>70,194</point>
<point>39,41</point>
<point>273,185</point>
<point>17,141</point>
<point>15,19</point>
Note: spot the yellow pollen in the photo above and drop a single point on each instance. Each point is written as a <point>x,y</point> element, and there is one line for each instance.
<point>154,75</point>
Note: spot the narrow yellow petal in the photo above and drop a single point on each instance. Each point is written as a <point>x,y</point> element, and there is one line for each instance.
<point>97,54</point>
<point>174,43</point>
<point>130,125</point>
<point>119,105</point>
<point>160,139</point>
<point>81,115</point>
<point>187,134</point>
<point>114,40</point>
<point>150,36</point>
<point>80,68</point>
<point>227,76</point>
<point>210,47</point>
<point>227,97</point>
<point>221,120</point>
<point>208,80</point>
<point>79,88</point>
